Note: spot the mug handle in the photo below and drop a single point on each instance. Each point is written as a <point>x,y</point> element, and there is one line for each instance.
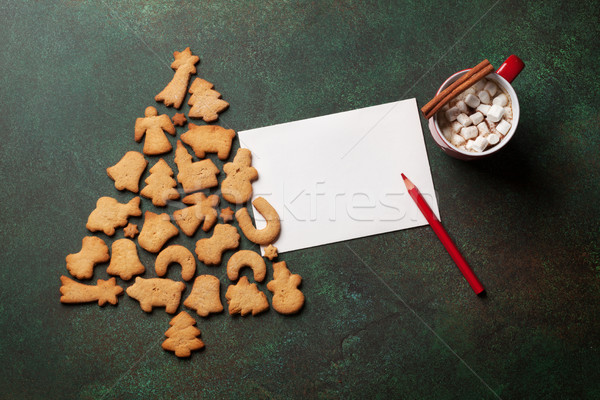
<point>511,68</point>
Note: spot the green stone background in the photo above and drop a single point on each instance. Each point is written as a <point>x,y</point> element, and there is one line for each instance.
<point>74,75</point>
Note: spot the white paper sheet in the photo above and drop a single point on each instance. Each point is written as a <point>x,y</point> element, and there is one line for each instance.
<point>337,177</point>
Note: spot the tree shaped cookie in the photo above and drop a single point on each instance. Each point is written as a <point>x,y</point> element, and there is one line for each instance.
<point>263,236</point>
<point>244,298</point>
<point>202,209</point>
<point>93,251</point>
<point>125,261</point>
<point>156,231</point>
<point>209,139</point>
<point>154,127</point>
<point>237,186</point>
<point>205,101</point>
<point>205,297</point>
<point>156,292</point>
<point>184,66</point>
<point>194,176</point>
<point>160,186</point>
<point>287,299</point>
<point>110,214</point>
<point>128,171</point>
<point>103,292</point>
<point>182,336</point>
<point>210,250</point>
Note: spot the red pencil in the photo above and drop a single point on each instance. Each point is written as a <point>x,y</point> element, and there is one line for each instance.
<point>439,230</point>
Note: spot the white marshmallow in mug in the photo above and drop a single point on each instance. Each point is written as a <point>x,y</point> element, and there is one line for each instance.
<point>493,139</point>
<point>484,96</point>
<point>457,140</point>
<point>456,127</point>
<point>483,129</point>
<point>500,100</point>
<point>476,118</point>
<point>495,113</point>
<point>503,127</point>
<point>508,112</point>
<point>464,119</point>
<point>469,132</point>
<point>462,107</point>
<point>478,145</point>
<point>491,88</point>
<point>482,108</point>
<point>452,113</point>
<point>472,101</point>
<point>478,86</point>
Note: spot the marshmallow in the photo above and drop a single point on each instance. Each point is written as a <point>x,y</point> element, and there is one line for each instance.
<point>470,90</point>
<point>482,108</point>
<point>481,144</point>
<point>445,107</point>
<point>462,107</point>
<point>478,86</point>
<point>484,97</point>
<point>476,118</point>
<point>508,112</point>
<point>472,100</point>
<point>483,129</point>
<point>464,119</point>
<point>500,100</point>
<point>491,88</point>
<point>457,140</point>
<point>452,113</point>
<point>495,113</point>
<point>503,127</point>
<point>456,127</point>
<point>469,132</point>
<point>493,139</point>
<point>478,145</point>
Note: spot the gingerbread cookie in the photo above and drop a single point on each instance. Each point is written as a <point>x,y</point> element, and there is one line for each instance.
<point>93,251</point>
<point>202,209</point>
<point>227,214</point>
<point>131,230</point>
<point>125,261</point>
<point>209,139</point>
<point>157,292</point>
<point>157,229</point>
<point>263,236</point>
<point>194,176</point>
<point>103,292</point>
<point>179,119</point>
<point>246,258</point>
<point>128,171</point>
<point>210,250</point>
<point>205,101</point>
<point>244,298</point>
<point>237,186</point>
<point>205,297</point>
<point>287,299</point>
<point>176,254</point>
<point>160,186</point>
<point>154,127</point>
<point>110,214</point>
<point>271,252</point>
<point>182,336</point>
<point>175,91</point>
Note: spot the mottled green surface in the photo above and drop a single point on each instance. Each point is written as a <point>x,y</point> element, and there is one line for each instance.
<point>74,75</point>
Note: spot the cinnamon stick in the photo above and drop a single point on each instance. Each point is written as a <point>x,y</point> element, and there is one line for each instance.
<point>456,88</point>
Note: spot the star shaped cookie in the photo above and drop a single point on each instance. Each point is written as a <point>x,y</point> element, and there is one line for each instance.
<point>271,252</point>
<point>227,214</point>
<point>131,230</point>
<point>179,119</point>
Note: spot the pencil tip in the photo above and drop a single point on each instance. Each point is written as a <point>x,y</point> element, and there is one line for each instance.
<point>403,176</point>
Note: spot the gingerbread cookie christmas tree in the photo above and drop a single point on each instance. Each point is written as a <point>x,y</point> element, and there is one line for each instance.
<point>205,101</point>
<point>182,336</point>
<point>160,185</point>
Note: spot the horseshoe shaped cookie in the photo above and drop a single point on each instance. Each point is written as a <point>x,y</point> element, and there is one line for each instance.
<point>246,258</point>
<point>263,236</point>
<point>176,254</point>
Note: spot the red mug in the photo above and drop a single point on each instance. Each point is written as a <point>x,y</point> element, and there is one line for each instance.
<point>503,78</point>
